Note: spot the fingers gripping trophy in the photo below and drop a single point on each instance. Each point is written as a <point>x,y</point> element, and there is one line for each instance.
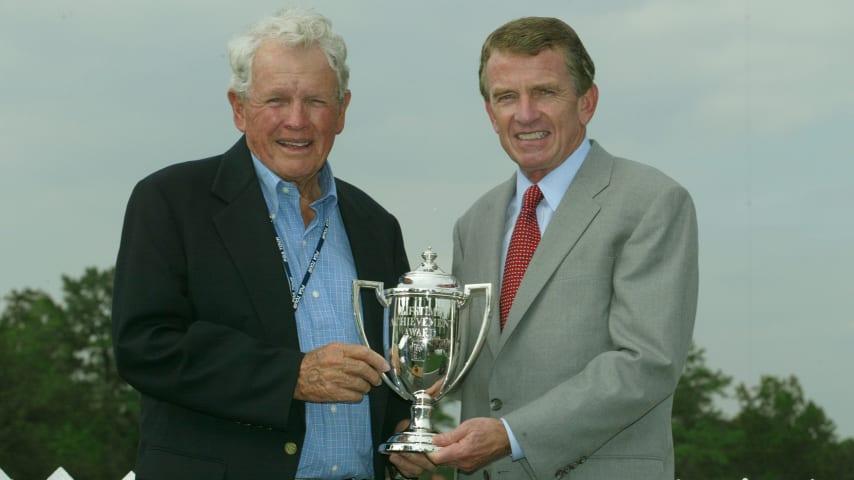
<point>422,343</point>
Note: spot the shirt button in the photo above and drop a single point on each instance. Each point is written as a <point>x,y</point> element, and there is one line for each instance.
<point>285,190</point>
<point>333,409</point>
<point>315,294</point>
<point>290,448</point>
<point>304,243</point>
<point>334,468</point>
<point>495,404</point>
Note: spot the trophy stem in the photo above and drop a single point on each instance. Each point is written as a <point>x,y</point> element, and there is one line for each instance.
<point>421,415</point>
<point>419,437</point>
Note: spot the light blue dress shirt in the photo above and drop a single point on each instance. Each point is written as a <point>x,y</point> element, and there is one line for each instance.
<point>338,435</point>
<point>553,186</point>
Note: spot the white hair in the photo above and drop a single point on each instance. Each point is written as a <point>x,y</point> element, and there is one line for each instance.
<point>291,27</point>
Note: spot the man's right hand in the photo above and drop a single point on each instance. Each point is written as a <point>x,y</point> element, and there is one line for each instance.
<point>339,372</point>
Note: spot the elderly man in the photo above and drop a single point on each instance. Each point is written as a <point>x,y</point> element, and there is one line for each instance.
<point>232,310</point>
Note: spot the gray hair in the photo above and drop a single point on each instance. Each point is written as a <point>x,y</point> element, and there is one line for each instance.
<point>292,27</point>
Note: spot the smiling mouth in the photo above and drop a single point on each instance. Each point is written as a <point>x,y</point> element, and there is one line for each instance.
<point>294,144</point>
<point>532,135</point>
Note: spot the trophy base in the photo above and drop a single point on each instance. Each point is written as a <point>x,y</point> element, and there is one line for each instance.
<point>418,442</point>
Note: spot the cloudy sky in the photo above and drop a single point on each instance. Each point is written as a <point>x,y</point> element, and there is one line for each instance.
<point>747,103</point>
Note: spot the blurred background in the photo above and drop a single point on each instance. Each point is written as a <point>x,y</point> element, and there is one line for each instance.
<point>747,103</point>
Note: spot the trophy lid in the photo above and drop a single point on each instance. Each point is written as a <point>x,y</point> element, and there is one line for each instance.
<point>429,276</point>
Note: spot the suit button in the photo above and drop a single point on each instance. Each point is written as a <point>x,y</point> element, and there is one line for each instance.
<point>290,448</point>
<point>495,404</point>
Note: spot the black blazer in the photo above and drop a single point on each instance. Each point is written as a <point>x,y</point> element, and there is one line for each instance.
<point>203,324</point>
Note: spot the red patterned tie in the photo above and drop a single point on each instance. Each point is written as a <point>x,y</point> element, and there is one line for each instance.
<point>523,242</point>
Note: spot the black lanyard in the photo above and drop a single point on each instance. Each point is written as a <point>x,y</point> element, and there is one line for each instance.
<point>296,295</point>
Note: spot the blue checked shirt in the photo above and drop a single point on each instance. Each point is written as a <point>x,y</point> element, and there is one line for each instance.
<point>338,436</point>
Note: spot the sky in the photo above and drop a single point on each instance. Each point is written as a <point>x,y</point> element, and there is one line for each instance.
<point>748,104</point>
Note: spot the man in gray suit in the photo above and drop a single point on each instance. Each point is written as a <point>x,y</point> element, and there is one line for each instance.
<point>579,381</point>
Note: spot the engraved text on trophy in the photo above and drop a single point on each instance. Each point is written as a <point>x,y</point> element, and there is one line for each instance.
<point>423,327</point>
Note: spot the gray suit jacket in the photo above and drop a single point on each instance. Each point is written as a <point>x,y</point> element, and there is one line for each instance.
<point>585,369</point>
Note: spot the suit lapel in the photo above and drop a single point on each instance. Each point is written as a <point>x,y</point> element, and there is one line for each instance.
<point>248,235</point>
<point>576,210</point>
<point>490,225</point>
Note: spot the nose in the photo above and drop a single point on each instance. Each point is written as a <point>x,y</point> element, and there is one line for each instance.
<point>294,115</point>
<point>527,111</point>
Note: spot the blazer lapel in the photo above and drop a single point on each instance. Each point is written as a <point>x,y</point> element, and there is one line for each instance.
<point>370,264</point>
<point>490,224</point>
<point>572,217</point>
<point>248,235</point>
<point>360,232</point>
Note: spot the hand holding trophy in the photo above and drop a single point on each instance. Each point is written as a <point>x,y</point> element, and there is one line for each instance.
<point>422,341</point>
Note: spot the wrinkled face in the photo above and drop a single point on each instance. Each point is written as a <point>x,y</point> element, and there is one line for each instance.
<point>534,109</point>
<point>291,113</point>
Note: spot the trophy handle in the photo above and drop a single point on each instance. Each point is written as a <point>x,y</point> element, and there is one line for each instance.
<point>481,336</point>
<point>357,315</point>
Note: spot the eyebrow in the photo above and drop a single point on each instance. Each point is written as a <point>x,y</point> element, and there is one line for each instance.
<point>539,86</point>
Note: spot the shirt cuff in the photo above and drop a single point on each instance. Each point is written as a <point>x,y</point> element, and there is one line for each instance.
<point>516,452</point>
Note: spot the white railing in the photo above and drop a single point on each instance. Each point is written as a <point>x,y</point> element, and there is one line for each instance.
<point>61,474</point>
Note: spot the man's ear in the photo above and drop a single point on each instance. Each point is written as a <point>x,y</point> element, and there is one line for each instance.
<point>342,115</point>
<point>587,104</point>
<point>237,110</point>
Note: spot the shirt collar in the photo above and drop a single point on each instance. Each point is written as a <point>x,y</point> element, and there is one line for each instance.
<point>556,182</point>
<point>270,182</point>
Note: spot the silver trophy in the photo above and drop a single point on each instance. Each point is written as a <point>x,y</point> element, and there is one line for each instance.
<point>422,340</point>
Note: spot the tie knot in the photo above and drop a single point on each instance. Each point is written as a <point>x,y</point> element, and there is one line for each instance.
<point>533,196</point>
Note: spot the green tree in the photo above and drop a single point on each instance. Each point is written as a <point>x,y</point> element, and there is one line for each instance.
<point>841,464</point>
<point>63,403</point>
<point>703,438</point>
<point>787,436</point>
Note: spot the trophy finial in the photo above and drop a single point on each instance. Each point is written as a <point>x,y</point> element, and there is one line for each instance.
<point>429,256</point>
<point>430,276</point>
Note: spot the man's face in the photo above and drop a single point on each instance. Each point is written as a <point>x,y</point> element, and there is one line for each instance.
<point>291,113</point>
<point>534,109</point>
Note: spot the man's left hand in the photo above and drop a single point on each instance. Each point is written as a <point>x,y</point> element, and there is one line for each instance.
<point>410,465</point>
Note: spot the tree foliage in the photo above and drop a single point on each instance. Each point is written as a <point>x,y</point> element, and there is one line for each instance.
<point>703,439</point>
<point>777,433</point>
<point>786,435</point>
<point>63,403</point>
